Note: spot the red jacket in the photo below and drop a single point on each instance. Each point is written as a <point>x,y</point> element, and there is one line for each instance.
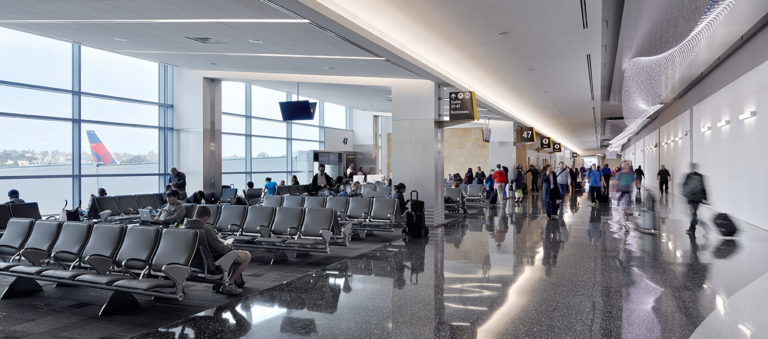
<point>499,177</point>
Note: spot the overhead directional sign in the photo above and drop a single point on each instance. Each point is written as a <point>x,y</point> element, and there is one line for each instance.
<point>527,135</point>
<point>574,155</point>
<point>546,142</point>
<point>557,147</point>
<point>462,106</point>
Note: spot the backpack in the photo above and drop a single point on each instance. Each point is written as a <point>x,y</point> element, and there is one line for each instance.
<point>693,187</point>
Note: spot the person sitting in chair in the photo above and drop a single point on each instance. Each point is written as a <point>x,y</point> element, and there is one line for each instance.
<point>220,248</point>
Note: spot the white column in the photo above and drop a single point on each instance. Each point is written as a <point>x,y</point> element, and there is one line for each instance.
<point>502,148</point>
<point>197,127</point>
<point>417,143</point>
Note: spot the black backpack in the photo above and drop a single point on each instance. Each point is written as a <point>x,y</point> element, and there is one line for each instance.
<point>415,223</point>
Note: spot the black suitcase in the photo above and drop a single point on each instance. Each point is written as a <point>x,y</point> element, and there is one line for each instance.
<point>415,222</point>
<point>725,225</point>
<point>494,198</point>
<point>603,198</point>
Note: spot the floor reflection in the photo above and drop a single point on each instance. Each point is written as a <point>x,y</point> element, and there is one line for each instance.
<point>510,272</point>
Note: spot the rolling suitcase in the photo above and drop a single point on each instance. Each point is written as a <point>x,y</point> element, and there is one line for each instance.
<point>415,222</point>
<point>725,225</point>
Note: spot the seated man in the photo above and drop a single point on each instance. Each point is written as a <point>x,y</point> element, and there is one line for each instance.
<point>173,212</point>
<point>220,248</point>
<point>13,197</point>
<point>270,187</point>
<point>321,180</point>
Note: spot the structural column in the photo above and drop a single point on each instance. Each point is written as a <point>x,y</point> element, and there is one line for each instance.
<point>417,143</point>
<point>197,126</point>
<point>502,148</point>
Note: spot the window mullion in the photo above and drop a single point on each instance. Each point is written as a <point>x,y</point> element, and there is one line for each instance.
<point>76,133</point>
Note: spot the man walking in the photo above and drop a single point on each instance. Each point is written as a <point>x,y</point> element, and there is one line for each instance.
<point>663,177</point>
<point>639,175</point>
<point>695,192</point>
<point>534,178</point>
<point>563,177</point>
<point>595,178</point>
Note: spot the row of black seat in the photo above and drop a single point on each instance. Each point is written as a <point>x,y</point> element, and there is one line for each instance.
<point>25,210</point>
<point>127,260</point>
<point>125,204</point>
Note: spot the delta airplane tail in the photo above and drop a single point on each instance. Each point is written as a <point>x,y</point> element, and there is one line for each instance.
<point>100,153</point>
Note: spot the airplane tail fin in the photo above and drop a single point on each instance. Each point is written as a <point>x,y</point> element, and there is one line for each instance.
<point>100,153</point>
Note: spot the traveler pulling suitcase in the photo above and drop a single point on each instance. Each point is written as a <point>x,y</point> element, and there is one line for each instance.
<point>725,225</point>
<point>415,223</point>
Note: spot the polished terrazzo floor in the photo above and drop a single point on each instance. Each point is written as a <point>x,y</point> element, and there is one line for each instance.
<point>511,273</point>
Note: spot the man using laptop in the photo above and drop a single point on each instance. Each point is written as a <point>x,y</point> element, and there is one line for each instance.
<point>172,212</point>
<point>219,248</point>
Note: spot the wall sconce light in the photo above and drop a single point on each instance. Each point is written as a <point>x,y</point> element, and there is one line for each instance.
<point>706,128</point>
<point>724,123</point>
<point>747,115</point>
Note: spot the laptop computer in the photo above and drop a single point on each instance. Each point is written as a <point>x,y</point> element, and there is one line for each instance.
<point>145,216</point>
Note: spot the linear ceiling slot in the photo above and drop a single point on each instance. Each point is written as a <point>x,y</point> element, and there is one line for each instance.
<point>584,21</point>
<point>589,73</point>
<point>594,115</point>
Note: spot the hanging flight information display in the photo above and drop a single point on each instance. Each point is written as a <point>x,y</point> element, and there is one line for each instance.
<point>462,106</point>
<point>557,147</point>
<point>527,135</point>
<point>574,155</point>
<point>546,142</point>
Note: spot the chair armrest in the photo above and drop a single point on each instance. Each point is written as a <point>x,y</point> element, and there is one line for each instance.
<point>233,228</point>
<point>99,263</point>
<point>326,236</point>
<point>225,262</point>
<point>178,274</point>
<point>366,215</point>
<point>34,256</point>
<point>293,231</point>
<point>264,231</point>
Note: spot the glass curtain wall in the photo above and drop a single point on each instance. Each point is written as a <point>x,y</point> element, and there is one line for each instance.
<point>257,144</point>
<point>75,118</point>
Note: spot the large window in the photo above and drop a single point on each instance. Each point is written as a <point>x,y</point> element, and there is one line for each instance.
<point>61,142</point>
<point>276,149</point>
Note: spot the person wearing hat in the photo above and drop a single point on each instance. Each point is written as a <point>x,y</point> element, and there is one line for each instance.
<point>13,197</point>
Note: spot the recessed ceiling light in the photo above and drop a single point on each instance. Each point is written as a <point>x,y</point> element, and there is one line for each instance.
<point>144,21</point>
<point>213,63</point>
<point>330,68</point>
<point>310,56</point>
<point>503,33</point>
<point>120,39</point>
<point>531,69</point>
<point>255,41</point>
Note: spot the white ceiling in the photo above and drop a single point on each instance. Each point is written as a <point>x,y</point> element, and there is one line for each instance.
<point>536,73</point>
<point>276,38</point>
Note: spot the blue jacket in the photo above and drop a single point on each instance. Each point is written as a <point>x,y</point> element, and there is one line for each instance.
<point>606,171</point>
<point>271,187</point>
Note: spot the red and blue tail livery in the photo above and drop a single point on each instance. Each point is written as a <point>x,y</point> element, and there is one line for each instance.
<point>100,153</point>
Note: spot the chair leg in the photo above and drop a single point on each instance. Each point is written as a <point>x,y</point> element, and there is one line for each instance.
<point>119,302</point>
<point>21,286</point>
<point>280,256</point>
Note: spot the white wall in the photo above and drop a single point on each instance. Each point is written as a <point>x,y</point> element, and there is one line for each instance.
<point>334,140</point>
<point>732,158</point>
<point>651,166</point>
<point>675,155</point>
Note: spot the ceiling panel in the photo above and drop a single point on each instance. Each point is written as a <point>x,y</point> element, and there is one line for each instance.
<point>169,42</point>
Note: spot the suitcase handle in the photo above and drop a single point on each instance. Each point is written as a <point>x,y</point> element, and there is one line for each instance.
<point>417,194</point>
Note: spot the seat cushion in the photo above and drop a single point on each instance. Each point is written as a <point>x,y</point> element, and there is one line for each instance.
<point>244,238</point>
<point>145,284</point>
<point>103,279</point>
<point>306,243</point>
<point>64,274</point>
<point>31,269</point>
<point>268,241</point>
<point>5,266</point>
